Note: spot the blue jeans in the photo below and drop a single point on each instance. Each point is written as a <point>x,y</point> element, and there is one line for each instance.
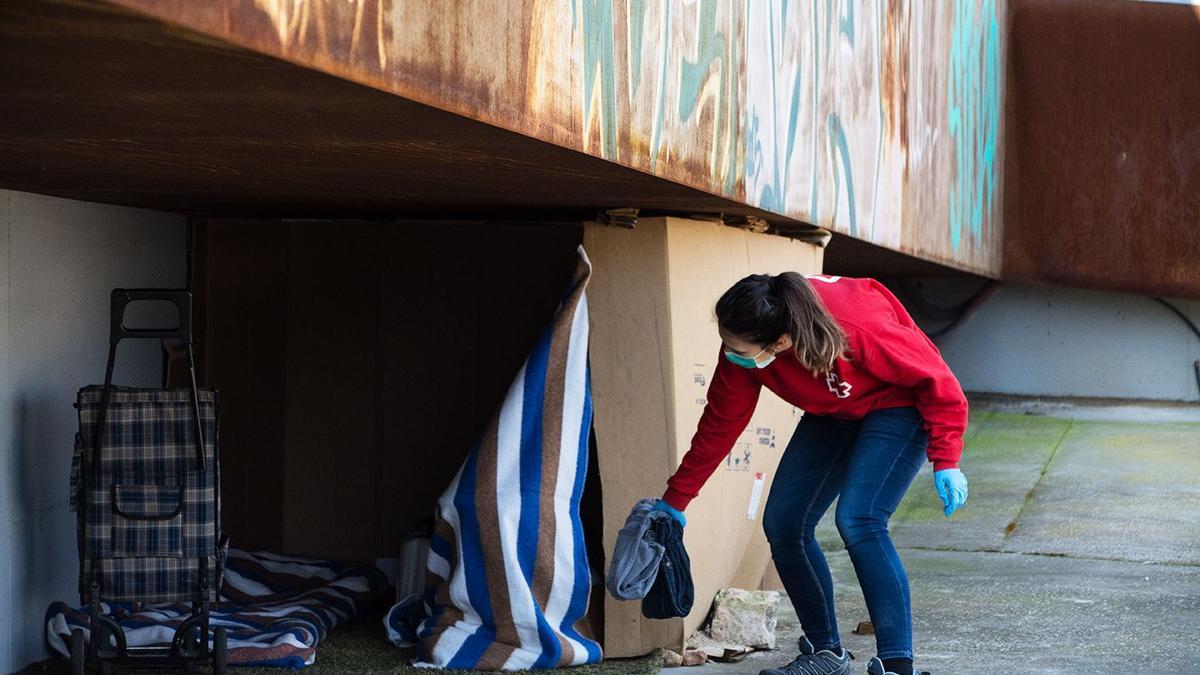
<point>868,464</point>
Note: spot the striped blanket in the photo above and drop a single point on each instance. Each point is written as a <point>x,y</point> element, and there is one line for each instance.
<point>507,573</point>
<point>275,609</point>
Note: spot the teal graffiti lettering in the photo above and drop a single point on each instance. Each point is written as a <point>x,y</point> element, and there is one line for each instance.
<point>598,45</point>
<point>974,116</point>
<point>837,137</point>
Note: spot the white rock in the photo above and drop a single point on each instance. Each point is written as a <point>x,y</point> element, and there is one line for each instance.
<point>745,618</point>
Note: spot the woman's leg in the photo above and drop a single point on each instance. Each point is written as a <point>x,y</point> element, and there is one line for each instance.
<point>886,457</point>
<point>808,478</point>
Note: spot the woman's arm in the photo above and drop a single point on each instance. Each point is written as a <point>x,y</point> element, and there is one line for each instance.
<point>905,356</point>
<point>732,397</point>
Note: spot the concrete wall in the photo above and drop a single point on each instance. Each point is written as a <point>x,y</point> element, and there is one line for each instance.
<point>1052,341</point>
<point>58,261</point>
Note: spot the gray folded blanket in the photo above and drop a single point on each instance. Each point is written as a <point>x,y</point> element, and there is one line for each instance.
<point>636,555</point>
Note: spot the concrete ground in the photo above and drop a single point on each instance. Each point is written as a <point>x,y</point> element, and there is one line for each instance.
<point>1079,550</point>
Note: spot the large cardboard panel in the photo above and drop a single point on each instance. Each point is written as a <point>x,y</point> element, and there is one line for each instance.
<point>653,349</point>
<point>724,530</point>
<point>630,358</point>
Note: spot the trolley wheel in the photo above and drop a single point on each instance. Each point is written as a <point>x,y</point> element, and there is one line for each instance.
<point>220,650</point>
<point>77,652</point>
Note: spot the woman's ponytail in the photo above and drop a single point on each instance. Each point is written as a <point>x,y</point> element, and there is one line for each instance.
<point>819,341</point>
<point>760,308</point>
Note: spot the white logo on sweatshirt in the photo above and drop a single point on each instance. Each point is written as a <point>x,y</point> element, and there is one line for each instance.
<point>838,386</point>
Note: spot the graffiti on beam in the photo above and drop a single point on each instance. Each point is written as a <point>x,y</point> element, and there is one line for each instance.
<point>973,119</point>
<point>599,77</point>
<point>642,60</point>
<point>875,118</point>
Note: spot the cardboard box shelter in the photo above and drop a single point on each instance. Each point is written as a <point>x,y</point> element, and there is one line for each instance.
<point>654,346</point>
<point>358,361</point>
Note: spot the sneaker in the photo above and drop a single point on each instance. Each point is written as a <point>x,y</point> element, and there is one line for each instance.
<point>812,662</point>
<point>875,667</point>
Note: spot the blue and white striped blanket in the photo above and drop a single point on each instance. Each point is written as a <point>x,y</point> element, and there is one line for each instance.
<point>507,573</point>
<point>275,609</point>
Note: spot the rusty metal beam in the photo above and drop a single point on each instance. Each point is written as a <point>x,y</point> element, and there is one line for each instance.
<point>1103,152</point>
<point>104,104</point>
<point>879,120</point>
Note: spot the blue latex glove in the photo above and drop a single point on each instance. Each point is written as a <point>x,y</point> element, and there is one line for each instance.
<point>660,505</point>
<point>951,486</point>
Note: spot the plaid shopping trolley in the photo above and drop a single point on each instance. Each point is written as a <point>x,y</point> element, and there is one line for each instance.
<point>145,485</point>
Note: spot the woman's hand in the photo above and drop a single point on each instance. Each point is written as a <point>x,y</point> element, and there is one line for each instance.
<point>660,505</point>
<point>951,486</point>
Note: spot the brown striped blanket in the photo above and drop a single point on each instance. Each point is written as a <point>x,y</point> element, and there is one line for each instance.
<point>507,572</point>
<point>275,609</point>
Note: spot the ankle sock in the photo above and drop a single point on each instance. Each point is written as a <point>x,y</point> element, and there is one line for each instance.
<point>898,666</point>
<point>836,649</point>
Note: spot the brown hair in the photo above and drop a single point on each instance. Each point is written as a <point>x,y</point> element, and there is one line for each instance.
<point>761,308</point>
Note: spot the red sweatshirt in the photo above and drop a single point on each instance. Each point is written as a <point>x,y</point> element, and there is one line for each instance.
<point>890,363</point>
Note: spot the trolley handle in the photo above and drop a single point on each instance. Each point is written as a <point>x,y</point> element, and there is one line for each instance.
<point>120,301</point>
<point>123,297</point>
